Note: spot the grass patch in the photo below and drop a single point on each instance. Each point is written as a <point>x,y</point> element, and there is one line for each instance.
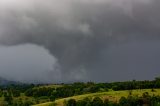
<point>111,95</point>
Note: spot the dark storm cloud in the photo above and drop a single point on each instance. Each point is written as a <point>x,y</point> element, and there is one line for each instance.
<point>90,38</point>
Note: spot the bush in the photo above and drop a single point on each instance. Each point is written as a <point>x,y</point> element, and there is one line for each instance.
<point>71,102</point>
<point>97,102</point>
<point>81,103</point>
<point>52,98</point>
<point>106,102</point>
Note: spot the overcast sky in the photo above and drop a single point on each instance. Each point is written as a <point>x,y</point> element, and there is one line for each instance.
<point>79,40</point>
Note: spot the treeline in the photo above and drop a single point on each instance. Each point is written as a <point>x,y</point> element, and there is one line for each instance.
<point>68,90</point>
<point>14,90</point>
<point>145,100</point>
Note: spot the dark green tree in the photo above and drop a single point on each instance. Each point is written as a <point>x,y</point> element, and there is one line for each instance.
<point>123,101</point>
<point>97,102</point>
<point>71,102</point>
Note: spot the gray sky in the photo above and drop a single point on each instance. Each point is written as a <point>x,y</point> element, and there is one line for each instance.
<point>79,40</point>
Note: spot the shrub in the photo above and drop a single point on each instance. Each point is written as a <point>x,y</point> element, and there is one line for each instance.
<point>71,102</point>
<point>97,102</point>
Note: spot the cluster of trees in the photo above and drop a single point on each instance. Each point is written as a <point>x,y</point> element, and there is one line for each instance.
<point>9,100</point>
<point>145,100</point>
<point>64,91</point>
<point>17,103</point>
<point>9,92</point>
<point>89,102</point>
<point>37,92</point>
<point>129,85</point>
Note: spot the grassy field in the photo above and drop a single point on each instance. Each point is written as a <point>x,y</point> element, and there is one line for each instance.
<point>111,95</point>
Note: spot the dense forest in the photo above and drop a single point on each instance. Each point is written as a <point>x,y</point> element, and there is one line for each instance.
<point>29,94</point>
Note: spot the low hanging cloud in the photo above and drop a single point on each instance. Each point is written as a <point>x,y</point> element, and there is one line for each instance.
<point>28,63</point>
<point>92,40</point>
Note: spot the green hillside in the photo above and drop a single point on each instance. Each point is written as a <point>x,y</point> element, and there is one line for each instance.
<point>46,95</point>
<point>111,95</point>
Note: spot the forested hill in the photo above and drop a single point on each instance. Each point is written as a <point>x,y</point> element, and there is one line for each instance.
<point>30,94</point>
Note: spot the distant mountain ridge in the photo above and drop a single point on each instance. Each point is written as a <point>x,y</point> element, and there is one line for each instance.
<point>4,82</point>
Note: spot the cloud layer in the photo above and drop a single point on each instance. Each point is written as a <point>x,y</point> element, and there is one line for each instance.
<point>98,40</point>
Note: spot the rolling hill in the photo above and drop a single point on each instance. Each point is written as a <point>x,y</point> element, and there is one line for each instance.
<point>111,95</point>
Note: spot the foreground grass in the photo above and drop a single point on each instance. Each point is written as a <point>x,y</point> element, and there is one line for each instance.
<point>111,95</point>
